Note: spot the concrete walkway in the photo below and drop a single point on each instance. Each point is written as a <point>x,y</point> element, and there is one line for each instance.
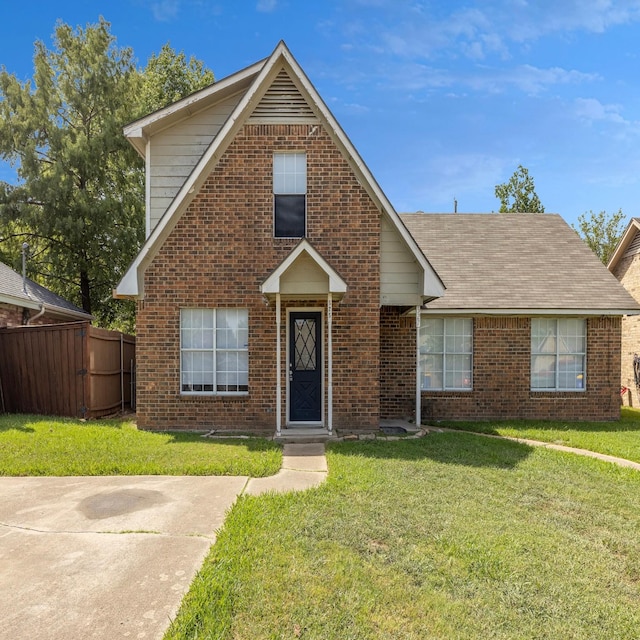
<point>111,557</point>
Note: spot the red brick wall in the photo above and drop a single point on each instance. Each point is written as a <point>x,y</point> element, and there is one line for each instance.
<point>220,252</point>
<point>397,364</point>
<point>501,375</point>
<point>628,272</point>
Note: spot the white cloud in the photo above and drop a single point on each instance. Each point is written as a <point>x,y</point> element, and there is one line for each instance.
<point>591,110</point>
<point>266,6</point>
<point>165,10</point>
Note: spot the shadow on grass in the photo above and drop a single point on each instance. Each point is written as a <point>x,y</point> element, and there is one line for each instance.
<point>629,422</point>
<point>33,424</point>
<point>447,448</point>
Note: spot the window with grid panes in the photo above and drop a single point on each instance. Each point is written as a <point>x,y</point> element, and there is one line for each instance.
<point>558,354</point>
<point>214,353</point>
<point>446,353</point>
<point>289,195</point>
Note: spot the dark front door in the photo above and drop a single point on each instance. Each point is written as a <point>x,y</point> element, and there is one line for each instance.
<point>305,367</point>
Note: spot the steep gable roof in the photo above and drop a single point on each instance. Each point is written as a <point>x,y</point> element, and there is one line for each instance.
<point>516,264</point>
<point>629,243</point>
<point>267,83</point>
<point>29,294</point>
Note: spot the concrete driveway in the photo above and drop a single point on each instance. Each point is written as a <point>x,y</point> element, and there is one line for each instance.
<point>103,557</point>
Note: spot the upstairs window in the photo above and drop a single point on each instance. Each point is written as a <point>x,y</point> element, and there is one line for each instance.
<point>290,195</point>
<point>558,354</point>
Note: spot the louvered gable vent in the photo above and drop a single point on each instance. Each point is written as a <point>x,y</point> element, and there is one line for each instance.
<point>283,101</point>
<point>634,247</point>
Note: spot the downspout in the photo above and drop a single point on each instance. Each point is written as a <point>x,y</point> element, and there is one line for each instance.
<point>418,394</point>
<point>38,315</point>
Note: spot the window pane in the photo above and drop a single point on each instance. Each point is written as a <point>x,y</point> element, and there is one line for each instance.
<point>458,372</point>
<point>432,335</point>
<point>543,372</point>
<point>571,372</point>
<point>543,335</point>
<point>289,173</point>
<point>289,217</point>
<point>431,372</point>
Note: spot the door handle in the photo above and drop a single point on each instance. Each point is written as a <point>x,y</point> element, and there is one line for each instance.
<point>290,373</point>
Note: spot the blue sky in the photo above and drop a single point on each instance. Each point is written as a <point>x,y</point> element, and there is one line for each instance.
<point>443,99</point>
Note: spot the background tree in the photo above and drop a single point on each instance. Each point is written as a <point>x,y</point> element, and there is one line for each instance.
<point>79,196</point>
<point>519,194</point>
<point>601,231</point>
<point>168,77</point>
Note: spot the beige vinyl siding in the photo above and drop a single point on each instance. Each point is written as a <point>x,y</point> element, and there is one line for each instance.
<point>400,274</point>
<point>304,277</point>
<point>176,151</point>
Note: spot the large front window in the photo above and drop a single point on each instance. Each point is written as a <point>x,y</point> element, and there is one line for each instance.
<point>289,195</point>
<point>558,354</point>
<point>214,354</point>
<point>446,348</point>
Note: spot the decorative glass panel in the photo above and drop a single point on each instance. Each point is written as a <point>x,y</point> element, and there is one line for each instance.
<point>305,344</point>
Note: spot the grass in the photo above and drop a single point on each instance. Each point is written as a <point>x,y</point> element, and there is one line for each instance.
<point>621,439</point>
<point>447,537</point>
<point>41,446</point>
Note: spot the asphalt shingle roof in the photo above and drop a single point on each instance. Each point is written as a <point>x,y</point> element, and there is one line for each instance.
<point>11,285</point>
<point>514,261</point>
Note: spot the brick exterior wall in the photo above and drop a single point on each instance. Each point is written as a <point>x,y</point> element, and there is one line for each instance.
<point>628,272</point>
<point>220,252</point>
<point>501,375</point>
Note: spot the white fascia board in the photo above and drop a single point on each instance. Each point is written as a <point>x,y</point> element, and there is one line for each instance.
<point>272,284</point>
<point>19,302</point>
<point>432,284</point>
<point>528,312</point>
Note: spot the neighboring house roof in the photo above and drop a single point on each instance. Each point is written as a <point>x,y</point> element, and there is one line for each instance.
<point>516,263</point>
<point>254,81</point>
<point>12,291</point>
<point>629,243</point>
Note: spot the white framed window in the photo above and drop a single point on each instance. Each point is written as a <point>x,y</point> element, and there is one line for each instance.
<point>558,354</point>
<point>289,195</point>
<point>446,353</point>
<point>214,351</point>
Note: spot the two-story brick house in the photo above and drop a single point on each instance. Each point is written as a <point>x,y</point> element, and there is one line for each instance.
<point>278,287</point>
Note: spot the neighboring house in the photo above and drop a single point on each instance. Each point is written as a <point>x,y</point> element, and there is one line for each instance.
<point>278,287</point>
<point>625,265</point>
<point>24,302</point>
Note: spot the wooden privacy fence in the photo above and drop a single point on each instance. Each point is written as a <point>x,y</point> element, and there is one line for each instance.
<point>69,369</point>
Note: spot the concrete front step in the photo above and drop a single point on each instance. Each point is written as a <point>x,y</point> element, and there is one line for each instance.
<point>302,435</point>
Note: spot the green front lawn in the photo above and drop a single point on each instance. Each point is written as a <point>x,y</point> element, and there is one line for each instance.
<point>447,537</point>
<point>621,439</point>
<point>42,446</point>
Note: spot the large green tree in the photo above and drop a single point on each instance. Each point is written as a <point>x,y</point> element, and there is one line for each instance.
<point>168,77</point>
<point>78,195</point>
<point>518,195</point>
<point>601,231</point>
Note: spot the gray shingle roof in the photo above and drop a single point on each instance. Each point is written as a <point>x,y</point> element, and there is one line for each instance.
<point>515,262</point>
<point>11,291</point>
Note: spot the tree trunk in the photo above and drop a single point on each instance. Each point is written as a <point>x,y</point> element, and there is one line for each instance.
<point>85,291</point>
